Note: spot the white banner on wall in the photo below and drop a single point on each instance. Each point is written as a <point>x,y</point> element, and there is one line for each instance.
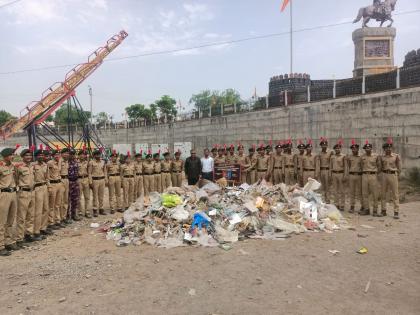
<point>162,147</point>
<point>122,148</point>
<point>184,148</point>
<point>141,147</point>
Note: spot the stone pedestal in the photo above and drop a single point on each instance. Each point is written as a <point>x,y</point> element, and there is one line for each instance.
<point>374,50</point>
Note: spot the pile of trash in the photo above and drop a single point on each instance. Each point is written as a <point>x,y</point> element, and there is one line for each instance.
<point>212,214</point>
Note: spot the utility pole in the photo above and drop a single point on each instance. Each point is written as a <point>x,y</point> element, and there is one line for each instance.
<point>91,112</point>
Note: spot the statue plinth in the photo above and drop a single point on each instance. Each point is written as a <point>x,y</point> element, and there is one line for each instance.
<point>374,50</point>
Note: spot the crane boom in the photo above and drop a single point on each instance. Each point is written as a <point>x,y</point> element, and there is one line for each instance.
<point>56,94</point>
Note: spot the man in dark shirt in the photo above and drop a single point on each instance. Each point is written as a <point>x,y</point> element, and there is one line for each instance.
<point>74,193</point>
<point>192,168</point>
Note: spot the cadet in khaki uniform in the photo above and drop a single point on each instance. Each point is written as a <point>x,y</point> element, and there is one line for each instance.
<point>166,166</point>
<point>288,164</point>
<point>114,183</point>
<point>41,195</point>
<point>391,170</point>
<point>220,159</point>
<point>354,167</point>
<point>308,165</point>
<point>64,173</point>
<point>263,165</point>
<point>157,171</point>
<point>54,190</point>
<point>231,157</point>
<point>297,161</point>
<point>323,167</point>
<point>371,167</point>
<point>338,172</point>
<point>97,180</point>
<point>148,175</point>
<point>84,189</point>
<point>277,165</point>
<point>240,159</point>
<point>25,199</point>
<point>8,204</point>
<point>250,166</point>
<point>127,171</point>
<point>138,180</point>
<point>177,169</point>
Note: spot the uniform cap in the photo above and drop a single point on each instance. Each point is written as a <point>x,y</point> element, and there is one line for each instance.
<point>156,155</point>
<point>39,152</point>
<point>96,152</point>
<point>166,154</point>
<point>64,150</point>
<point>24,152</point>
<point>324,141</point>
<point>7,152</point>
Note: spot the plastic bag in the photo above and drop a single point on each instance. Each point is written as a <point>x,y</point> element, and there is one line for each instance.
<point>312,185</point>
<point>179,213</point>
<point>170,201</point>
<point>225,236</point>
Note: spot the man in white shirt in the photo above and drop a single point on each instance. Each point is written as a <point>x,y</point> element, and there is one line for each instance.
<point>207,166</point>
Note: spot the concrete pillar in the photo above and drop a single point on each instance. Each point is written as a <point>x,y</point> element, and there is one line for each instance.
<point>334,89</point>
<point>398,84</point>
<point>266,101</point>
<point>286,102</point>
<point>309,93</point>
<point>234,107</point>
<point>210,110</point>
<point>364,85</point>
<point>221,109</point>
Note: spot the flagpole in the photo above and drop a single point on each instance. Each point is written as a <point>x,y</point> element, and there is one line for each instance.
<point>291,36</point>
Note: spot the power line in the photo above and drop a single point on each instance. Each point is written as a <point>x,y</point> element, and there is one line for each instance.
<point>9,3</point>
<point>221,43</point>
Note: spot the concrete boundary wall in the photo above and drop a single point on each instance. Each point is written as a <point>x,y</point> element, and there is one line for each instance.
<point>373,116</point>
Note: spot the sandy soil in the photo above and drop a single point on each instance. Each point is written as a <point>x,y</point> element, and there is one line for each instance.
<point>79,272</point>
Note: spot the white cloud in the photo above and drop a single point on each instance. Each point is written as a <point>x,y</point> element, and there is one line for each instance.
<point>98,4</point>
<point>198,11</point>
<point>34,11</point>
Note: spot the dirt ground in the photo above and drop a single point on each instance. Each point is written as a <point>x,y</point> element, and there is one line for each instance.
<point>79,272</point>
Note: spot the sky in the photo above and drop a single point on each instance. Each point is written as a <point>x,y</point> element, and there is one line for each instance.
<point>43,33</point>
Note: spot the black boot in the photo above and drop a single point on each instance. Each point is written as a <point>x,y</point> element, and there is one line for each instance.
<point>47,232</point>
<point>396,215</point>
<point>112,211</point>
<point>38,237</point>
<point>102,212</point>
<point>5,252</point>
<point>29,238</point>
<point>95,213</point>
<point>351,209</point>
<point>12,247</point>
<point>120,210</point>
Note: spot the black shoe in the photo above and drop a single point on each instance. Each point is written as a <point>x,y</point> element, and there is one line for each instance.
<point>47,232</point>
<point>29,238</point>
<point>120,210</point>
<point>54,227</point>
<point>5,252</point>
<point>351,210</point>
<point>396,215</point>
<point>61,225</point>
<point>76,218</point>
<point>102,212</point>
<point>95,213</point>
<point>12,247</point>
<point>112,211</point>
<point>68,221</point>
<point>383,213</point>
<point>38,237</point>
<point>88,216</point>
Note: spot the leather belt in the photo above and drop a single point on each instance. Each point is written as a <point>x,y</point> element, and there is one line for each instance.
<point>389,172</point>
<point>355,173</point>
<point>166,172</point>
<point>27,189</point>
<point>139,174</point>
<point>55,181</point>
<point>113,175</point>
<point>148,174</point>
<point>64,176</point>
<point>8,189</point>
<point>156,173</point>
<point>262,170</point>
<point>277,168</point>
<point>338,172</point>
<point>128,176</point>
<point>176,172</point>
<point>325,168</point>
<point>98,178</point>
<point>369,173</point>
<point>83,176</point>
<point>309,170</point>
<point>289,166</point>
<point>39,185</point>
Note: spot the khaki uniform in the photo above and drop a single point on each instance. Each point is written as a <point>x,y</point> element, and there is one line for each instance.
<point>127,178</point>
<point>354,166</point>
<point>84,188</point>
<point>263,165</point>
<point>297,161</point>
<point>148,177</point>
<point>338,172</point>
<point>97,175</point>
<point>41,197</point>
<point>138,179</point>
<point>277,169</point>
<point>8,204</point>
<point>54,191</point>
<point>251,170</point>
<point>323,169</point>
<point>370,168</point>
<point>289,169</point>
<point>391,169</point>
<point>241,160</point>
<point>114,186</point>
<point>308,167</point>
<point>158,177</point>
<point>25,201</point>
<point>176,169</point>
<point>166,174</point>
<point>231,159</point>
<point>64,173</point>
<point>219,160</point>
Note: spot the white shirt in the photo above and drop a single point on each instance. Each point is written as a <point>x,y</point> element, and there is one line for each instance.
<point>207,164</point>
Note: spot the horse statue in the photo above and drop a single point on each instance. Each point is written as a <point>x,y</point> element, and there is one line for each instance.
<point>379,11</point>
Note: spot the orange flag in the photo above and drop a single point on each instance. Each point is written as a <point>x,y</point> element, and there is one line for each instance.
<point>284,5</point>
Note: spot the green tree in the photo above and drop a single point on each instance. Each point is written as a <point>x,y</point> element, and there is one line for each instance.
<point>5,117</point>
<point>167,107</point>
<point>63,117</point>
<point>101,119</point>
<point>139,111</point>
<point>203,100</point>
<point>230,96</point>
